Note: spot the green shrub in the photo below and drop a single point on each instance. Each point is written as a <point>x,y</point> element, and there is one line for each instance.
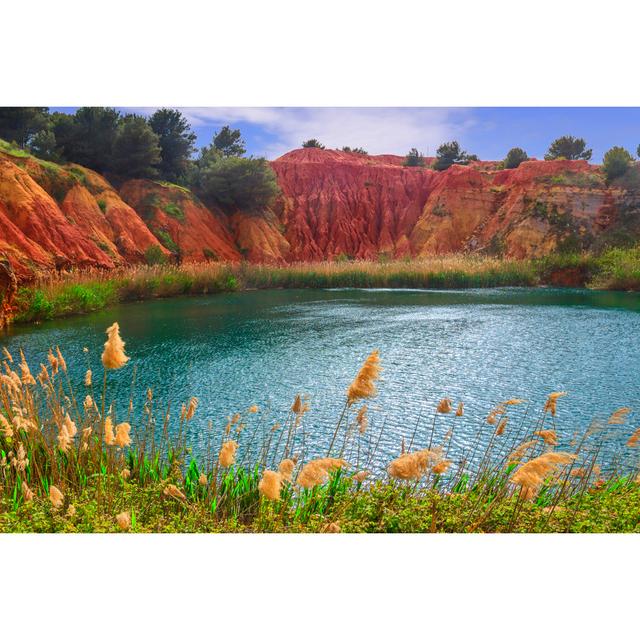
<point>155,255</point>
<point>173,210</point>
<point>102,204</point>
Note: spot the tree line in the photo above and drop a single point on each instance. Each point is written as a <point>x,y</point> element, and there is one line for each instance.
<point>161,146</point>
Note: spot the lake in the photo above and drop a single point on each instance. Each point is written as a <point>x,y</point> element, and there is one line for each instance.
<point>232,351</point>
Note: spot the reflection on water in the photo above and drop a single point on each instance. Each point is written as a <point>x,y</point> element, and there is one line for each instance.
<point>479,346</point>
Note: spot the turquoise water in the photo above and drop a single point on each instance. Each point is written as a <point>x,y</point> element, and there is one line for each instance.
<point>264,347</point>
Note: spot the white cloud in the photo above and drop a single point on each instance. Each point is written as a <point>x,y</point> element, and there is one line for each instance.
<point>377,129</point>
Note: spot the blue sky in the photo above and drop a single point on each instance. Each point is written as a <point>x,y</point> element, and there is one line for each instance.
<point>488,132</point>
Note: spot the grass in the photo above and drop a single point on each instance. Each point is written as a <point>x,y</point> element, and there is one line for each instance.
<point>86,291</point>
<point>69,464</point>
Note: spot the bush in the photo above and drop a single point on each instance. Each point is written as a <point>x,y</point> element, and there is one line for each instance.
<point>103,205</point>
<point>155,255</point>
<point>173,210</point>
<point>312,143</point>
<point>616,162</point>
<point>414,159</point>
<point>515,158</point>
<point>236,184</point>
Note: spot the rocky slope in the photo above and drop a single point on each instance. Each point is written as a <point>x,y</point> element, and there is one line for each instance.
<point>332,204</point>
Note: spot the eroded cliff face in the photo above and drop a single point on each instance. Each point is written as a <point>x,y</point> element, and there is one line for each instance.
<point>336,203</point>
<point>332,204</point>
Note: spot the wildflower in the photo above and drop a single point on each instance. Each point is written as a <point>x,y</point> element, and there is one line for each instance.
<point>285,469</point>
<point>113,356</point>
<point>56,496</point>
<point>317,471</point>
<point>172,491</point>
<point>227,455</point>
<point>502,426</point>
<point>460,409</point>
<point>87,378</point>
<point>549,436</point>
<point>364,384</point>
<point>270,484</point>
<point>412,466</point>
<point>27,494</point>
<point>124,521</point>
<point>444,406</point>
<point>552,400</point>
<point>122,438</point>
<point>109,436</point>
<point>619,416</point>
<point>533,473</point>
<point>191,408</point>
<point>361,419</point>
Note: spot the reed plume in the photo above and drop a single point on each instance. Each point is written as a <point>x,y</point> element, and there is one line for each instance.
<point>27,494</point>
<point>172,491</point>
<point>552,400</point>
<point>113,356</point>
<point>7,355</point>
<point>87,378</point>
<point>62,363</point>
<point>191,408</point>
<point>502,425</point>
<point>361,476</point>
<point>202,480</point>
<point>316,472</point>
<point>634,439</point>
<point>56,496</point>
<point>444,406</point>
<point>441,467</point>
<point>363,385</point>
<point>124,521</point>
<point>532,474</point>
<point>122,438</point>
<point>549,436</point>
<point>270,484</point>
<point>285,469</point>
<point>460,409</point>
<point>227,455</point>
<point>109,435</point>
<point>512,401</point>
<point>619,416</point>
<point>518,453</point>
<point>412,466</point>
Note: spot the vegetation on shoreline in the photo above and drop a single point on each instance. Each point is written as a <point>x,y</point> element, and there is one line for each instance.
<point>87,291</point>
<point>86,465</point>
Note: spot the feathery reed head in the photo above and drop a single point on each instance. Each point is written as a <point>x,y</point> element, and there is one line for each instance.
<point>285,469</point>
<point>549,436</point>
<point>124,521</point>
<point>56,496</point>
<point>88,378</point>
<point>552,400</point>
<point>444,406</point>
<point>270,485</point>
<point>533,473</point>
<point>316,472</point>
<point>109,435</point>
<point>634,439</point>
<point>460,409</point>
<point>412,466</point>
<point>122,438</point>
<point>227,455</point>
<point>619,416</point>
<point>113,356</point>
<point>172,491</point>
<point>363,385</point>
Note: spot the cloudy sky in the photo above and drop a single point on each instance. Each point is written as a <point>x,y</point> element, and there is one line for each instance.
<point>488,132</point>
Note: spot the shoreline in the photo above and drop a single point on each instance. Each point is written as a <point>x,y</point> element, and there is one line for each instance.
<point>83,292</point>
